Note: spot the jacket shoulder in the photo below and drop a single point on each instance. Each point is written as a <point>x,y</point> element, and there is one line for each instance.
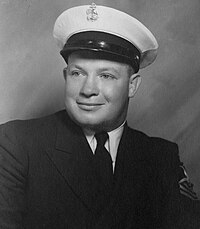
<point>156,149</point>
<point>27,134</point>
<point>157,141</point>
<point>17,128</point>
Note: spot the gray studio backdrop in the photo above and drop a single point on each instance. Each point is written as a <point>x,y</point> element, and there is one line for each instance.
<point>168,102</point>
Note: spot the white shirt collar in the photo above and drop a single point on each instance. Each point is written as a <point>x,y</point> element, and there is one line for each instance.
<point>112,144</point>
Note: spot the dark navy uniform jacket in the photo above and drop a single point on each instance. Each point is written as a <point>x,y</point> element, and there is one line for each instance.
<point>47,180</point>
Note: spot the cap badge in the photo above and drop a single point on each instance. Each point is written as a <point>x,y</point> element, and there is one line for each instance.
<point>92,14</point>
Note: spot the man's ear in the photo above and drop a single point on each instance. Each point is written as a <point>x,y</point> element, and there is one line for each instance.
<point>65,73</point>
<point>134,83</point>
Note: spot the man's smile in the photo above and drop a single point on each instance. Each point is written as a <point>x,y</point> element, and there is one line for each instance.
<point>89,106</point>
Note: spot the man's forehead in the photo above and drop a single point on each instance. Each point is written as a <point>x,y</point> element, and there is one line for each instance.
<point>102,59</point>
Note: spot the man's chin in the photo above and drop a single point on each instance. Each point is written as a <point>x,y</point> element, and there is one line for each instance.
<point>91,122</point>
<point>92,125</point>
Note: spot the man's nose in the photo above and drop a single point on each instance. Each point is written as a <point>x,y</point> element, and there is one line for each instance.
<point>90,86</point>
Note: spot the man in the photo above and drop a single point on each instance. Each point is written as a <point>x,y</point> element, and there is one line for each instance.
<point>84,167</point>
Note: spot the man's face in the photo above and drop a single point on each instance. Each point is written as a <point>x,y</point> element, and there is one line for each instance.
<point>97,91</point>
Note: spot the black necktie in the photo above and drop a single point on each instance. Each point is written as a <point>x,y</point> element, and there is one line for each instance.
<point>103,173</point>
<point>103,161</point>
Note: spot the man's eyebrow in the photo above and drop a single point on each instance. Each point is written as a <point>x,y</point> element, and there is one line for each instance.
<point>99,69</point>
<point>104,69</point>
<point>75,66</point>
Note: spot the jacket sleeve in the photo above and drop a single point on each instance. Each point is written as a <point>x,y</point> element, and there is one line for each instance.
<point>13,173</point>
<point>179,211</point>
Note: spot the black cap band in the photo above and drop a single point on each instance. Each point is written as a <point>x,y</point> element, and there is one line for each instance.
<point>103,42</point>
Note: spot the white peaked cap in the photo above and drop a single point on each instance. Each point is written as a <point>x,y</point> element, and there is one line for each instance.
<point>95,18</point>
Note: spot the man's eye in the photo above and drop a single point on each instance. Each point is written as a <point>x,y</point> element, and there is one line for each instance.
<point>107,76</point>
<point>76,73</point>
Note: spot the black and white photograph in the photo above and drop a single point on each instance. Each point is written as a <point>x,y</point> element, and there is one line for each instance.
<point>100,114</point>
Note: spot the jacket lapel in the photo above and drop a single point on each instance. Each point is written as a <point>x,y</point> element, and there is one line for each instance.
<point>72,158</point>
